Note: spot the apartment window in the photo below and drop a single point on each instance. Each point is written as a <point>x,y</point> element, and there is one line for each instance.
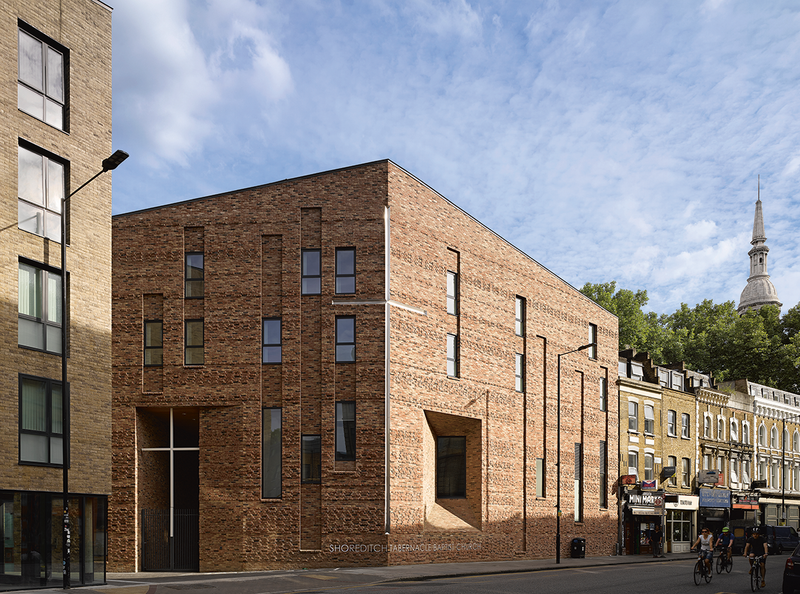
<point>720,429</point>
<point>649,419</point>
<point>706,462</point>
<point>637,371</point>
<point>762,435</point>
<point>271,349</point>
<point>633,463</point>
<point>452,355</point>
<point>633,416</point>
<point>40,416</point>
<point>519,372</point>
<point>671,422</point>
<point>786,445</point>
<point>194,275</point>
<point>672,462</point>
<point>685,425</point>
<point>706,426</point>
<point>540,477</point>
<point>346,430</point>
<point>622,368</point>
<point>40,319</point>
<point>345,270</point>
<point>311,456</point>
<point>41,88</point>
<point>603,394</point>
<point>686,472</point>
<point>648,467</point>
<point>153,343</point>
<point>603,475</point>
<point>677,381</point>
<point>745,433</point>
<point>734,470</point>
<point>774,476</point>
<point>663,377</point>
<point>795,483</point>
<point>193,346</point>
<point>720,463</point>
<point>271,447</point>
<point>762,470</point>
<point>746,472</point>
<point>345,339</point>
<point>592,341</point>
<point>452,293</point>
<point>519,316</point>
<point>773,437</point>
<point>40,183</point>
<point>796,442</point>
<point>451,467</point>
<point>311,276</point>
<point>734,431</point>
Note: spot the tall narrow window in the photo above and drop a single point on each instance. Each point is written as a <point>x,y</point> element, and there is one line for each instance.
<point>686,472</point>
<point>519,316</point>
<point>603,475</point>
<point>271,453</point>
<point>40,320</point>
<point>578,491</point>
<point>452,293</point>
<point>672,463</point>
<point>519,372</point>
<point>311,459</point>
<point>271,349</point>
<point>451,467</point>
<point>41,87</point>
<point>40,185</point>
<point>633,463</point>
<point>685,425</point>
<point>745,433</point>
<point>345,339</point>
<point>648,467</point>
<point>540,482</point>
<point>346,430</point>
<point>671,420</point>
<point>311,273</point>
<point>603,394</point>
<point>720,429</point>
<point>193,346</point>
<point>195,275</point>
<point>452,355</point>
<point>649,419</point>
<point>40,421</point>
<point>153,343</point>
<point>633,416</point>
<point>592,351</point>
<point>345,270</point>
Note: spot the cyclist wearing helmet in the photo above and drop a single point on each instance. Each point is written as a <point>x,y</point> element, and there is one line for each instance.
<point>757,547</point>
<point>726,541</point>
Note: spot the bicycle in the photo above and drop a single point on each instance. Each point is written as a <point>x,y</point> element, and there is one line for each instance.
<point>724,560</point>
<point>755,577</point>
<point>701,573</point>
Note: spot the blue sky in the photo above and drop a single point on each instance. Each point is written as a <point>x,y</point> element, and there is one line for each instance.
<point>608,140</point>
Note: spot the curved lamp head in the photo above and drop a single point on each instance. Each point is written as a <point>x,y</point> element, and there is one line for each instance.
<point>112,162</point>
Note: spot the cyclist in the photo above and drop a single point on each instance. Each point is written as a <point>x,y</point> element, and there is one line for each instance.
<point>725,540</point>
<point>757,547</point>
<point>706,552</point>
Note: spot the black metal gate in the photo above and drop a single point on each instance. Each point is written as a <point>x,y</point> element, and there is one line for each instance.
<point>178,553</point>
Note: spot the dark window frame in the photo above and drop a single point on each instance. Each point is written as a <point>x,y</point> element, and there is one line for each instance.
<point>519,316</point>
<point>449,486</point>
<point>271,345</point>
<point>345,446</point>
<point>455,356</point>
<point>190,280</point>
<point>343,344</point>
<point>592,351</point>
<point>604,394</point>
<point>519,372</point>
<point>310,478</point>
<point>45,272</point>
<point>187,346</point>
<point>48,193</point>
<point>153,348</point>
<point>265,457</point>
<point>48,44</point>
<point>345,277</point>
<point>304,273</point>
<point>452,298</point>
<point>50,433</point>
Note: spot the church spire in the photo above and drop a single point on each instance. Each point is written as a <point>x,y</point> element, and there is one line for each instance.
<point>759,290</point>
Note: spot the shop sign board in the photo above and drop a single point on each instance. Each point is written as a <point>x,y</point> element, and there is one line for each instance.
<point>649,485</point>
<point>690,502</point>
<point>628,479</point>
<point>745,502</point>
<point>708,477</point>
<point>720,498</point>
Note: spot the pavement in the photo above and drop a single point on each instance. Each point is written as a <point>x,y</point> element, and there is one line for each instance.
<point>146,581</point>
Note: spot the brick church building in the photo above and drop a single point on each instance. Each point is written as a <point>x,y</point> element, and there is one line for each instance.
<point>347,369</point>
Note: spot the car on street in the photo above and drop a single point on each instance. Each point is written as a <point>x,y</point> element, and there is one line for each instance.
<point>791,573</point>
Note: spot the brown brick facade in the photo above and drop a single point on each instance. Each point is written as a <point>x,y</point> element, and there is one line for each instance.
<point>406,238</point>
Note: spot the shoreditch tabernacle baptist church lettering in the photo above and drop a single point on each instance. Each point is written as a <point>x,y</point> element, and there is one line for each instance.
<point>405,548</point>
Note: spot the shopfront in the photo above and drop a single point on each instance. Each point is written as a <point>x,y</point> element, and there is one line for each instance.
<point>714,509</point>
<point>680,531</point>
<point>643,512</point>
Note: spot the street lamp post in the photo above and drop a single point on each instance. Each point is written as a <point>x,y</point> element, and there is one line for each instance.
<point>109,164</point>
<point>558,450</point>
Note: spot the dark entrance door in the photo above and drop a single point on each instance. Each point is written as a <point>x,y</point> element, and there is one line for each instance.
<point>162,552</point>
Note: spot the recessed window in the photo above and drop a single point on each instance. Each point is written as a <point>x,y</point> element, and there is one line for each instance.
<point>346,430</point>
<point>519,372</point>
<point>540,482</point>
<point>41,90</point>
<point>671,421</point>
<point>271,349</point>
<point>519,316</point>
<point>311,459</point>
<point>603,394</point>
<point>633,416</point>
<point>745,432</point>
<point>685,425</point>
<point>637,371</point>
<point>648,467</point>
<point>603,499</point>
<point>686,472</point>
<point>672,463</point>
<point>720,429</point>
<point>633,463</point>
<point>271,441</point>
<point>452,293</point>
<point>40,424</point>
<point>452,355</point>
<point>153,343</point>
<point>345,270</point>
<point>40,186</point>
<point>592,351</point>
<point>40,319</point>
<point>311,275</point>
<point>649,419</point>
<point>194,342</point>
<point>195,275</point>
<point>451,467</point>
<point>345,339</point>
